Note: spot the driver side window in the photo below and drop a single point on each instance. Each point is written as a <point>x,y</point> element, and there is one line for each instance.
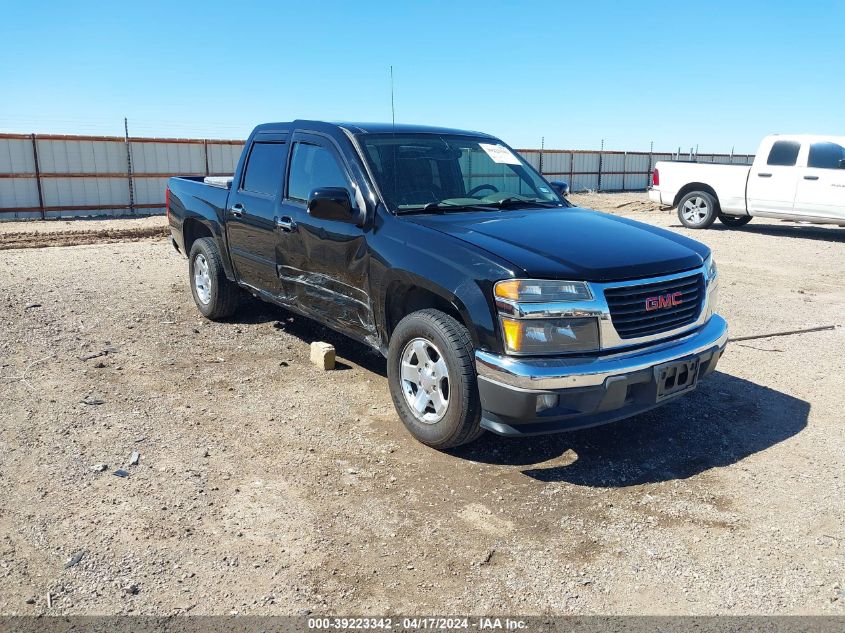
<point>313,166</point>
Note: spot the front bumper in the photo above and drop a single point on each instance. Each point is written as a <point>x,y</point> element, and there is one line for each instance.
<point>590,390</point>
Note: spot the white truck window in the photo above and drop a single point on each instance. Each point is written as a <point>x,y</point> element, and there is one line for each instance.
<point>826,156</point>
<point>784,153</point>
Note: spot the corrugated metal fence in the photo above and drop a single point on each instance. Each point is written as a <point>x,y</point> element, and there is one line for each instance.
<point>48,176</point>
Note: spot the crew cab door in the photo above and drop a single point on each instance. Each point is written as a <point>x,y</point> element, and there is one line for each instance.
<point>251,212</point>
<point>773,179</point>
<point>322,264</point>
<point>821,186</point>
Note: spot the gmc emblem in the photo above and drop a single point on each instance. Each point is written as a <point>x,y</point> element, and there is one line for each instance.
<point>663,301</point>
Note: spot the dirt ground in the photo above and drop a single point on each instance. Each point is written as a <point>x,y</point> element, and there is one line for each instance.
<point>265,486</point>
<point>76,232</point>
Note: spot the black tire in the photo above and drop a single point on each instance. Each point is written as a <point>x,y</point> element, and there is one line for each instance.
<point>460,422</point>
<point>734,221</point>
<point>220,299</point>
<point>698,210</point>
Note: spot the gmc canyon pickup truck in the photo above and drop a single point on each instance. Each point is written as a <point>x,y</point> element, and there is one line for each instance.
<point>798,177</point>
<point>498,305</point>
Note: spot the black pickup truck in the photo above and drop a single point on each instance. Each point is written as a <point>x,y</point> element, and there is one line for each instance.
<point>498,304</point>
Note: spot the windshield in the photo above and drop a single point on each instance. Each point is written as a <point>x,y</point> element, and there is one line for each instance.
<point>417,172</point>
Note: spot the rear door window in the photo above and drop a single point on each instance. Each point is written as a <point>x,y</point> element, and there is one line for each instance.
<point>264,168</point>
<point>826,155</point>
<point>784,153</point>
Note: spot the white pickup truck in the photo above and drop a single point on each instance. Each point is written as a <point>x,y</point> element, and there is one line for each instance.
<point>794,177</point>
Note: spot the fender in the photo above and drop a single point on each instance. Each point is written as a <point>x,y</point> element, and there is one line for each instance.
<point>451,269</point>
<point>206,212</point>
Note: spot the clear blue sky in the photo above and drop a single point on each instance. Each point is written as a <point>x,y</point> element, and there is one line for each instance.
<point>715,74</point>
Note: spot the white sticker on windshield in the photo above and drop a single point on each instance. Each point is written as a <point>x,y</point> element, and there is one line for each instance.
<point>499,154</point>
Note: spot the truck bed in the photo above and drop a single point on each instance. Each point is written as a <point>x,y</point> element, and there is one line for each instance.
<point>193,195</point>
<point>728,181</point>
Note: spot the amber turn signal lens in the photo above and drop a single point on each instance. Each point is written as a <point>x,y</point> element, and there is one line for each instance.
<point>508,289</point>
<point>513,334</point>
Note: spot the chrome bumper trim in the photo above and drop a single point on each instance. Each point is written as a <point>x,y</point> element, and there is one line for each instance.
<point>569,372</point>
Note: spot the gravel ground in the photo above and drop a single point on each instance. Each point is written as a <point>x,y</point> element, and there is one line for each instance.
<point>265,486</point>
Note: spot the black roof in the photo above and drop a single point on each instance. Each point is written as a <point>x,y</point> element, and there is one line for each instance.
<point>369,128</point>
<point>404,128</point>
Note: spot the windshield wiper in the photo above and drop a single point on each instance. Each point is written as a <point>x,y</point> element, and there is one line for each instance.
<point>511,201</point>
<point>439,207</point>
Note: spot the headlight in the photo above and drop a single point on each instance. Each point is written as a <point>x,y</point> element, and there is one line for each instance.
<point>550,336</point>
<point>710,268</point>
<point>542,290</point>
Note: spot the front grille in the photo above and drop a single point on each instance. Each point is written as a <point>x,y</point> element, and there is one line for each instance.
<point>628,306</point>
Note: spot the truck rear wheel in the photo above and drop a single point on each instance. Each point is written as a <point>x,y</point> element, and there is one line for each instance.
<point>215,296</point>
<point>431,373</point>
<point>698,210</point>
<point>734,221</point>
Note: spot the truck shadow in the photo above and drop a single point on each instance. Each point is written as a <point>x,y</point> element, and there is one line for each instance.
<point>829,233</point>
<point>724,421</point>
<point>253,311</point>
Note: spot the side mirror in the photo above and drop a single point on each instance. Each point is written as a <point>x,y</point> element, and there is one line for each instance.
<point>561,187</point>
<point>331,203</point>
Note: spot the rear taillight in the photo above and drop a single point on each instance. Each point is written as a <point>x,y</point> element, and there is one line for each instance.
<point>655,178</point>
<point>167,202</point>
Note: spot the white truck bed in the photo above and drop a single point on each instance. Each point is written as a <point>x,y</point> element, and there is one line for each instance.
<point>727,180</point>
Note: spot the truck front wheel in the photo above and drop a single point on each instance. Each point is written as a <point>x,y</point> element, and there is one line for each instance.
<point>431,373</point>
<point>698,210</point>
<point>215,296</point>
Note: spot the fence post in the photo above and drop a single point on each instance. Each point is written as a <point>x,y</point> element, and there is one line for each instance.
<point>650,162</point>
<point>601,156</point>
<point>624,168</point>
<point>129,166</point>
<point>542,147</point>
<point>571,170</point>
<point>38,176</point>
<point>205,149</point>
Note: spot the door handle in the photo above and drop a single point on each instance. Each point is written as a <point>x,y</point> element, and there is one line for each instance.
<point>811,177</point>
<point>286,224</point>
<point>237,210</point>
<point>764,175</point>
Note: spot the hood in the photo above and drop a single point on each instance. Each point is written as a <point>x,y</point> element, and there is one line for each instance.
<point>572,243</point>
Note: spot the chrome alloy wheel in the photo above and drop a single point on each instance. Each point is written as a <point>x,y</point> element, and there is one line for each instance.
<point>202,279</point>
<point>695,210</point>
<point>425,380</point>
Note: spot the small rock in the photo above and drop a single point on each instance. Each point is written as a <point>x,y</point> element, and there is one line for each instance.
<point>30,306</point>
<point>284,363</point>
<point>304,612</point>
<point>135,458</point>
<point>93,402</point>
<point>120,473</point>
<point>98,468</point>
<point>323,355</point>
<point>30,600</point>
<point>206,453</point>
<point>100,365</point>
<point>75,559</point>
<point>278,325</point>
<point>132,589</point>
